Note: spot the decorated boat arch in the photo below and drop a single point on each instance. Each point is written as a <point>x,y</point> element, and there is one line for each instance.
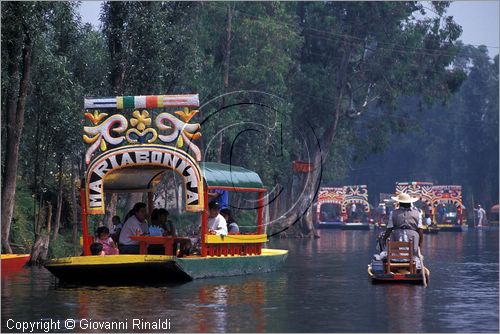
<point>130,147</point>
<point>343,197</point>
<point>422,190</point>
<point>329,195</point>
<point>357,194</point>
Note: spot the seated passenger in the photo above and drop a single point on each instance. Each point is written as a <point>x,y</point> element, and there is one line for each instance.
<point>216,223</point>
<point>232,227</point>
<point>96,249</point>
<point>117,227</point>
<point>160,218</point>
<point>132,227</point>
<point>405,222</point>
<point>108,245</point>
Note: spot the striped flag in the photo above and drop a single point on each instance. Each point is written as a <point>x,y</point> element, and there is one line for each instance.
<point>143,101</point>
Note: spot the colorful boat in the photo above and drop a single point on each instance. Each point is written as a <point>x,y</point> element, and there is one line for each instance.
<point>342,198</point>
<point>356,194</point>
<point>451,195</point>
<point>333,199</point>
<point>139,157</point>
<point>398,265</point>
<point>13,262</point>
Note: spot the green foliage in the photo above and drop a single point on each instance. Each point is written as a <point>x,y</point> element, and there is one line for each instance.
<point>356,72</point>
<point>22,222</point>
<point>63,247</point>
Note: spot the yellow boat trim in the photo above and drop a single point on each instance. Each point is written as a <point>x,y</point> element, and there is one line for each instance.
<point>109,259</point>
<point>13,256</point>
<point>236,239</point>
<point>124,259</point>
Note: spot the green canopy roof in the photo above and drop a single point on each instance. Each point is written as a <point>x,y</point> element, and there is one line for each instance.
<point>217,174</point>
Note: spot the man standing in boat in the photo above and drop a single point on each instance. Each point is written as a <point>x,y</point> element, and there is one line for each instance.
<point>481,214</point>
<point>405,220</point>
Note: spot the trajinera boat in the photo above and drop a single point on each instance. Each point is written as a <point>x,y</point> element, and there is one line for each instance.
<point>335,202</point>
<point>127,154</point>
<point>397,263</point>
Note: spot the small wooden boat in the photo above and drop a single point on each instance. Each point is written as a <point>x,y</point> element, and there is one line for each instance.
<point>13,262</point>
<point>399,266</point>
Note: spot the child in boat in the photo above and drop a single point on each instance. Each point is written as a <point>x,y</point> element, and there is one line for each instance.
<point>108,245</point>
<point>96,249</point>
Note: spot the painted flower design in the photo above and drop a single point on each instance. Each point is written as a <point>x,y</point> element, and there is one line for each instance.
<point>140,120</point>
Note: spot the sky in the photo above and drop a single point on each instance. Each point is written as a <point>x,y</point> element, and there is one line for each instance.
<point>479,20</point>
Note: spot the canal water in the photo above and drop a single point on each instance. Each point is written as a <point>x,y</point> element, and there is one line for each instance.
<point>323,287</point>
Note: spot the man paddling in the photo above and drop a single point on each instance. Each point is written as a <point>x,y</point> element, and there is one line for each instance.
<point>405,220</point>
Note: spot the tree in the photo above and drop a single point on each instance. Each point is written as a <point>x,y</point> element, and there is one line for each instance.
<point>19,22</point>
<point>362,54</point>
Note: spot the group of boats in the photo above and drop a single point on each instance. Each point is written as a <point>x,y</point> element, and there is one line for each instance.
<point>347,207</point>
<point>131,154</point>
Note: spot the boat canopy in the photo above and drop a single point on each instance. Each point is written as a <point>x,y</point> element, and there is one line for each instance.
<point>146,178</point>
<point>218,175</point>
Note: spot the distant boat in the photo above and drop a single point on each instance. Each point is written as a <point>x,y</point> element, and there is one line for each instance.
<point>431,229</point>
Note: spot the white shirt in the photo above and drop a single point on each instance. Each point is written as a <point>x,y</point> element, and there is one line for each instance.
<point>218,224</point>
<point>353,207</point>
<point>130,229</point>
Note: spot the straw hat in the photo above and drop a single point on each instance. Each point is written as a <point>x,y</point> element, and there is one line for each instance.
<point>405,198</point>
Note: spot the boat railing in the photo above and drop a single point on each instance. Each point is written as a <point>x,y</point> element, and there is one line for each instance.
<point>236,244</point>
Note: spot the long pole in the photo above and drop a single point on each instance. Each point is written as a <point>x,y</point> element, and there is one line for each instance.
<point>423,267</point>
<point>473,213</point>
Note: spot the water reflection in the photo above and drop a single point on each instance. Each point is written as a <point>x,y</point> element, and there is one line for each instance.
<point>220,304</point>
<point>402,299</point>
<point>324,287</point>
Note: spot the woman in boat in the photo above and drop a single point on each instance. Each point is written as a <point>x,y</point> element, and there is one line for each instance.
<point>405,220</point>
<point>132,227</point>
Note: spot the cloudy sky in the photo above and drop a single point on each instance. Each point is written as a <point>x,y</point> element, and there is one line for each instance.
<point>479,20</point>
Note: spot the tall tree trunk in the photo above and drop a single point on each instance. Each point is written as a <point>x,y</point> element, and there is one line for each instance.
<point>118,60</point>
<point>15,123</point>
<point>57,222</point>
<point>49,217</point>
<point>75,179</point>
<point>226,63</point>
<point>40,250</point>
<point>319,156</point>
